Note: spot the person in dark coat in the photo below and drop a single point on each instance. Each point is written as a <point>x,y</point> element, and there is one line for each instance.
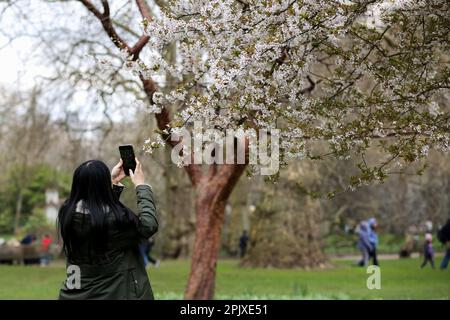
<point>27,244</point>
<point>101,236</point>
<point>373,237</point>
<point>243,242</point>
<point>145,248</point>
<point>28,239</point>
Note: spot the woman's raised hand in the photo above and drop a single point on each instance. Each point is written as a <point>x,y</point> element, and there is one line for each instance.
<point>138,176</point>
<point>117,173</point>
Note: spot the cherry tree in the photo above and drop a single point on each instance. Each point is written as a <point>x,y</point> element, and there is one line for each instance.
<point>345,75</point>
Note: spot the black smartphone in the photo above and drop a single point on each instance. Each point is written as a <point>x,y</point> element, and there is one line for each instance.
<point>128,158</point>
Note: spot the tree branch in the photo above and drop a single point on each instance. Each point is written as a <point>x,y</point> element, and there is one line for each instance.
<point>137,48</point>
<point>106,23</point>
<point>144,9</point>
<point>163,118</point>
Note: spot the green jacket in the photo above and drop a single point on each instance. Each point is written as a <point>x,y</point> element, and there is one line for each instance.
<point>119,272</point>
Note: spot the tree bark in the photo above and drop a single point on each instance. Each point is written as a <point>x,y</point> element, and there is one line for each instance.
<point>212,193</point>
<point>210,214</point>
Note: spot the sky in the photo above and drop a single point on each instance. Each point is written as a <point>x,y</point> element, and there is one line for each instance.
<point>14,65</point>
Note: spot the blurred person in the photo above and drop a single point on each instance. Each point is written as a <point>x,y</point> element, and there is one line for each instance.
<point>28,239</point>
<point>45,244</point>
<point>373,238</point>
<point>364,245</point>
<point>143,247</point>
<point>243,242</point>
<point>146,247</point>
<point>151,244</point>
<point>444,237</point>
<point>428,254</point>
<point>101,235</point>
<point>31,253</point>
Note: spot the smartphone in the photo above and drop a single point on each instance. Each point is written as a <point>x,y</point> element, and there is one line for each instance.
<point>128,158</point>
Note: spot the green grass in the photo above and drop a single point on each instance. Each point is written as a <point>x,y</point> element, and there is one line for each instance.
<point>400,279</point>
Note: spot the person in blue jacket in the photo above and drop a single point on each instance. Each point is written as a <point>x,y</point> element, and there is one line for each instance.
<point>364,244</point>
<point>373,238</point>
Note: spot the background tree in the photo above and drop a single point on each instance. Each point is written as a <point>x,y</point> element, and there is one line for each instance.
<point>285,227</point>
<point>315,70</point>
<point>28,153</point>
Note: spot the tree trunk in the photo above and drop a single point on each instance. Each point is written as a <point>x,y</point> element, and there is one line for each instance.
<point>212,193</point>
<point>285,230</point>
<point>210,214</point>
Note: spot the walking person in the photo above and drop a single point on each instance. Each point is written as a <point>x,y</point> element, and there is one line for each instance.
<point>373,238</point>
<point>428,254</point>
<point>243,242</point>
<point>151,244</point>
<point>146,247</point>
<point>143,249</point>
<point>364,245</point>
<point>101,236</point>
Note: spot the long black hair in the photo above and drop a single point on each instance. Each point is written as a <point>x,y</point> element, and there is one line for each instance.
<point>92,185</point>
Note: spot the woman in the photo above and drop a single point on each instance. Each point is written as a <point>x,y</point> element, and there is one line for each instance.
<point>364,244</point>
<point>101,236</point>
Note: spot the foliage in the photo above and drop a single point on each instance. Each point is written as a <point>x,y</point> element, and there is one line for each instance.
<point>37,223</point>
<point>40,178</point>
<point>6,222</point>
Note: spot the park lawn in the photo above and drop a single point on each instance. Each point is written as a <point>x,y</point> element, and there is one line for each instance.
<point>400,279</point>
